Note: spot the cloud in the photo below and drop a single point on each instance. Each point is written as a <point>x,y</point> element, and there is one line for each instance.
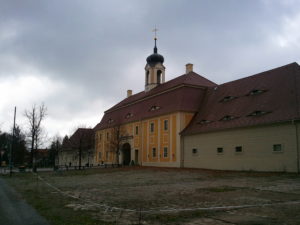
<point>289,36</point>
<point>80,57</point>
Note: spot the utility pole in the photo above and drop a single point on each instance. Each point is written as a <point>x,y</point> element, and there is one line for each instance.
<point>80,152</point>
<point>12,143</point>
<point>55,155</point>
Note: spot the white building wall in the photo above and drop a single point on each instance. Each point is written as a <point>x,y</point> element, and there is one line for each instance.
<point>257,144</point>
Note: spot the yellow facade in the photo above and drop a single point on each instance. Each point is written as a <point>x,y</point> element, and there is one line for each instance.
<point>153,142</point>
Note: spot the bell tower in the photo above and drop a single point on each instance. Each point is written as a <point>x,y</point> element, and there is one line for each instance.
<point>154,69</point>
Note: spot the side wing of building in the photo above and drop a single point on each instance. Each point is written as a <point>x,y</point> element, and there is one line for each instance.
<point>248,124</point>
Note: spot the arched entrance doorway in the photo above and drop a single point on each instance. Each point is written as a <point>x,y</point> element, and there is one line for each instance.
<point>126,153</point>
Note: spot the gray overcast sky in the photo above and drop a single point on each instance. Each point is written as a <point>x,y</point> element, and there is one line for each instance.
<point>79,57</point>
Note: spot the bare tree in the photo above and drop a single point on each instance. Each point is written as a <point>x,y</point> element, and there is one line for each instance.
<point>114,144</point>
<point>35,116</point>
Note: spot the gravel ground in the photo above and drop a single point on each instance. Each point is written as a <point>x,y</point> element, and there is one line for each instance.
<point>144,189</point>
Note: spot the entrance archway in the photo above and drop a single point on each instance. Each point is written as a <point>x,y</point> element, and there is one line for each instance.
<point>126,152</point>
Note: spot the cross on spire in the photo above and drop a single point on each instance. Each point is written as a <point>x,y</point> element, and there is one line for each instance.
<point>155,38</point>
<point>155,32</point>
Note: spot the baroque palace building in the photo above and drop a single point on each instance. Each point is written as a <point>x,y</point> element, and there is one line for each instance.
<point>247,124</point>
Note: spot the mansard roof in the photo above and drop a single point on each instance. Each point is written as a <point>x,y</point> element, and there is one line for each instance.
<point>269,97</point>
<point>183,93</point>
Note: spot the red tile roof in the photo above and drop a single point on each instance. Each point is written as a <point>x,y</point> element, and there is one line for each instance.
<point>83,136</point>
<point>268,97</point>
<point>183,93</point>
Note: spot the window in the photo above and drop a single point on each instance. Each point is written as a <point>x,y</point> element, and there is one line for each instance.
<point>219,150</point>
<point>238,149</point>
<point>227,98</point>
<point>154,107</point>
<point>153,152</point>
<point>256,92</point>
<point>107,135</point>
<point>100,155</point>
<point>227,118</point>
<point>151,127</point>
<point>136,130</point>
<point>158,76</point>
<point>165,152</point>
<point>204,121</point>
<point>128,115</point>
<point>147,77</point>
<point>194,151</point>
<point>258,113</point>
<point>110,121</point>
<point>277,148</point>
<point>106,155</point>
<point>100,137</point>
<point>166,125</point>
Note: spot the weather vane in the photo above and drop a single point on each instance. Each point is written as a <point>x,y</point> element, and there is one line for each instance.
<point>155,32</point>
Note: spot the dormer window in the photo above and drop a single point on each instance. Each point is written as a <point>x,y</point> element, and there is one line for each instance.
<point>227,118</point>
<point>110,121</point>
<point>256,92</point>
<point>154,107</point>
<point>204,122</point>
<point>258,113</point>
<point>128,115</point>
<point>228,98</point>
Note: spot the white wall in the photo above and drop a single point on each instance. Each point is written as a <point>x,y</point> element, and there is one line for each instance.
<point>257,144</point>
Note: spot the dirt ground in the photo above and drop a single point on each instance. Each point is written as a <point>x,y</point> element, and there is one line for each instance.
<point>181,196</point>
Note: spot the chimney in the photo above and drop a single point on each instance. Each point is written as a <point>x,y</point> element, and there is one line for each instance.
<point>129,93</point>
<point>189,68</point>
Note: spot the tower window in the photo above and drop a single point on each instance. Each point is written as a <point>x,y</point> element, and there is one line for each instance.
<point>147,77</point>
<point>158,76</point>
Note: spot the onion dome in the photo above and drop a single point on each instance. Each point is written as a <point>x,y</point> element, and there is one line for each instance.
<point>155,57</point>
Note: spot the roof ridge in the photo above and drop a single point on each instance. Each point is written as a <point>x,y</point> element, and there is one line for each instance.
<point>266,71</point>
<point>183,76</point>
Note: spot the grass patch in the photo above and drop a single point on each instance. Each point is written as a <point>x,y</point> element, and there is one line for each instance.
<point>49,204</point>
